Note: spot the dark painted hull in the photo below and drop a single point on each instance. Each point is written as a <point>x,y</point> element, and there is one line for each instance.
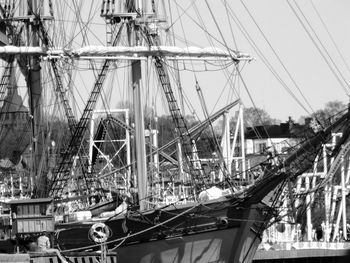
<point>205,247</point>
<point>212,232</point>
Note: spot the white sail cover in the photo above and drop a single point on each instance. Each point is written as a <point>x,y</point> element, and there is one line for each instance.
<point>22,50</point>
<point>210,194</point>
<point>168,51</point>
<point>125,51</point>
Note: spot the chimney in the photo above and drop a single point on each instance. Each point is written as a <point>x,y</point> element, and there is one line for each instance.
<point>308,121</point>
<point>290,122</point>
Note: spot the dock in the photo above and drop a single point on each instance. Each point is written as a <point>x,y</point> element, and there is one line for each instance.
<point>300,252</point>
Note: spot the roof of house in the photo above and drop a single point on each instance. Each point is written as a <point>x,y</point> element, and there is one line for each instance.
<point>288,129</point>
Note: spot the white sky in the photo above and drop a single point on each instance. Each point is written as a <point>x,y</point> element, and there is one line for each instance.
<point>284,32</point>
<point>288,38</point>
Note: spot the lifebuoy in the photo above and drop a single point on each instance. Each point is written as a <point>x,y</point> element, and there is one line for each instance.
<point>99,232</point>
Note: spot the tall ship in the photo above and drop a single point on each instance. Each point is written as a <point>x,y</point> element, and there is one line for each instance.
<point>151,188</point>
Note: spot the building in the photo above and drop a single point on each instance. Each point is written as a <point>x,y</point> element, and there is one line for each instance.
<point>277,138</point>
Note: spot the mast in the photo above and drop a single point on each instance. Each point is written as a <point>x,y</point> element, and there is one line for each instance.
<point>34,82</point>
<point>131,13</point>
<point>34,73</point>
<point>139,134</point>
<point>128,14</point>
<point>135,40</point>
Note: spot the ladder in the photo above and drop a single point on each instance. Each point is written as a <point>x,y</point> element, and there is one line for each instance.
<point>5,80</point>
<point>62,174</point>
<point>64,100</point>
<point>6,76</point>
<point>60,89</point>
<point>187,142</point>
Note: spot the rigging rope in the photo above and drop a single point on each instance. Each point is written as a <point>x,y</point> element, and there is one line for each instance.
<point>264,59</point>
<point>336,72</point>
<point>330,35</point>
<point>183,12</point>
<point>229,22</point>
<point>278,57</point>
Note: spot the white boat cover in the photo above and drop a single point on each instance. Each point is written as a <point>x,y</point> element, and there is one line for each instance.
<point>210,194</point>
<point>125,51</point>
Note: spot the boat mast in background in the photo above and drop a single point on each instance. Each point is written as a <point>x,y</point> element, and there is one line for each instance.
<point>128,14</point>
<point>24,26</point>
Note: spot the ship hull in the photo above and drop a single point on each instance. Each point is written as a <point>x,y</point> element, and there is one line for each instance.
<point>217,246</point>
<point>219,233</point>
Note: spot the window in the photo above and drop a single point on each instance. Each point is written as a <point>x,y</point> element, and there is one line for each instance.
<point>261,147</point>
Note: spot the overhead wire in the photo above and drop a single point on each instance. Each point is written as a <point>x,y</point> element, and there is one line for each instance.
<point>61,9</point>
<point>184,33</point>
<point>172,41</point>
<point>278,57</point>
<point>84,25</point>
<point>180,15</point>
<point>83,30</point>
<point>265,61</point>
<point>237,69</point>
<point>223,67</point>
<point>184,11</point>
<point>326,57</point>
<point>330,35</point>
<point>229,22</point>
<point>209,37</point>
<point>204,29</point>
<point>263,57</point>
<point>223,167</point>
<point>226,65</point>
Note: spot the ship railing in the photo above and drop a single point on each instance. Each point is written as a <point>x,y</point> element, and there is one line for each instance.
<point>78,257</point>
